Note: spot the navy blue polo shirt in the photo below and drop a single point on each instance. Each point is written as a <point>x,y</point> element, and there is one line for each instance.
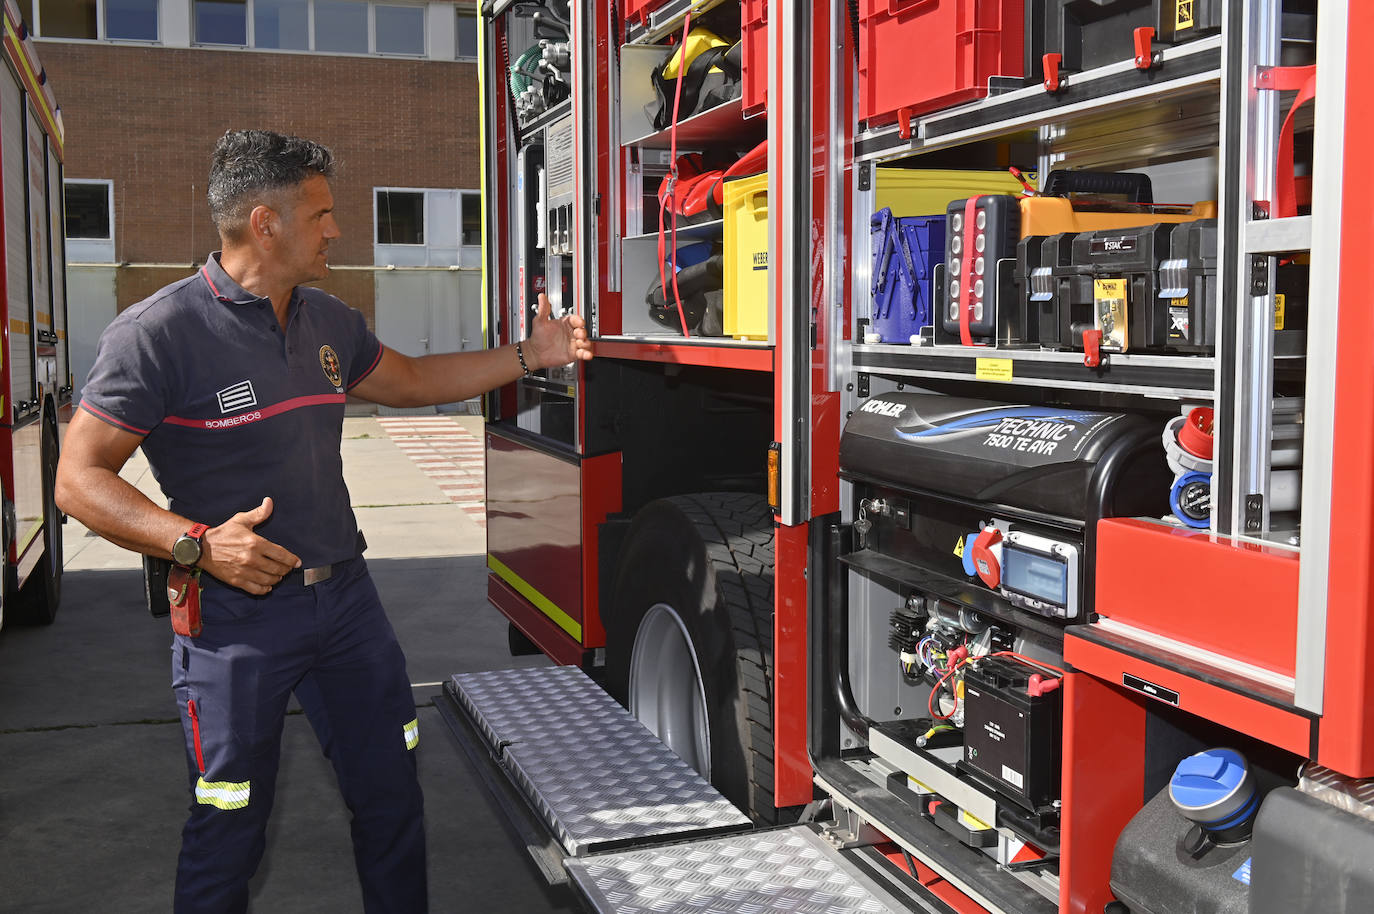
<point>233,409</point>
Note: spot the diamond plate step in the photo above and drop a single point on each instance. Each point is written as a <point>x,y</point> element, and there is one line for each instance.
<point>790,869</point>
<point>597,777</point>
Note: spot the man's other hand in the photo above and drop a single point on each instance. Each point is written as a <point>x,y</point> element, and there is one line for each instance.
<point>555,342</point>
<point>236,555</point>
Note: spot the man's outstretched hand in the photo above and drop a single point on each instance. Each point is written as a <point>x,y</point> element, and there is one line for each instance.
<point>555,342</point>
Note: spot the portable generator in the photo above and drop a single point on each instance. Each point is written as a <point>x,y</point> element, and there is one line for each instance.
<point>994,506</point>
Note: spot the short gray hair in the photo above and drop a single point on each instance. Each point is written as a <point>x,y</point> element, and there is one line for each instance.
<point>248,164</point>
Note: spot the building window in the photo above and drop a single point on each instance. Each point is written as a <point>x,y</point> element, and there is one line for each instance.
<point>221,22</point>
<point>400,29</point>
<point>131,20</point>
<point>341,25</point>
<point>116,20</point>
<point>427,227</point>
<point>89,209</point>
<point>281,24</point>
<point>328,26</point>
<point>471,219</point>
<point>400,217</point>
<point>68,19</point>
<point>467,34</point>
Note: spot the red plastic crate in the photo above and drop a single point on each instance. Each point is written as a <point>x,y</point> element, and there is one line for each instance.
<point>754,36</point>
<point>918,56</point>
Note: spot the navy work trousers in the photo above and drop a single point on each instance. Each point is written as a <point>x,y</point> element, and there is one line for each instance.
<point>333,646</point>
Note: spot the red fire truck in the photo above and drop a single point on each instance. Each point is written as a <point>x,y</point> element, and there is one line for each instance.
<point>976,382</point>
<point>35,379</point>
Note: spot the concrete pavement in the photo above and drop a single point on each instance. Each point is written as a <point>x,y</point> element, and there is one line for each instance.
<point>92,777</point>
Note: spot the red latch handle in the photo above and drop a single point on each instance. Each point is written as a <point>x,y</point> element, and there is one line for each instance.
<point>904,123</point>
<point>1144,48</point>
<point>1050,63</point>
<point>1092,348</point>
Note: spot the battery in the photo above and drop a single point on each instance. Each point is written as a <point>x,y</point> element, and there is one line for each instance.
<point>1011,736</point>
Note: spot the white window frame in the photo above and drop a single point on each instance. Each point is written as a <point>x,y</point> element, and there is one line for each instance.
<point>424,214</point>
<point>250,30</point>
<point>466,11</point>
<point>433,252</point>
<point>91,250</point>
<point>101,29</point>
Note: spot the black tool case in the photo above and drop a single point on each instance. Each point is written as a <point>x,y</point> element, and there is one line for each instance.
<point>1091,33</point>
<point>1150,289</point>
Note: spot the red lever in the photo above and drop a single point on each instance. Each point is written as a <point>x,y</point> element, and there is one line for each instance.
<point>1092,348</point>
<point>904,123</point>
<point>1050,63</point>
<point>1144,52</point>
<point>1040,685</point>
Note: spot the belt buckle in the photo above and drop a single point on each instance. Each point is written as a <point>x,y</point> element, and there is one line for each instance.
<point>313,576</point>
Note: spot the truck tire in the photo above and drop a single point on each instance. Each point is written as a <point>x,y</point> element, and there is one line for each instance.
<point>37,602</point>
<point>689,638</point>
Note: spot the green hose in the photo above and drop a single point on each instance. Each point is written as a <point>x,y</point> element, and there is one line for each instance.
<point>519,80</point>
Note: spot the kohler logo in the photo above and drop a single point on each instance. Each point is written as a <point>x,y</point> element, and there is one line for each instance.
<point>1112,245</point>
<point>884,408</point>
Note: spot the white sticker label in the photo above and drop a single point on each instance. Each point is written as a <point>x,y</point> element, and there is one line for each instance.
<point>1012,777</point>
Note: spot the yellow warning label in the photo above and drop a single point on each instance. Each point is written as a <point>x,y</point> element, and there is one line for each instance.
<point>1109,302</point>
<point>959,547</point>
<point>1279,310</point>
<point>994,370</point>
<point>1183,15</point>
<point>1178,302</point>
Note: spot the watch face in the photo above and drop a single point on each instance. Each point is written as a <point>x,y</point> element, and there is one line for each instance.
<point>186,550</point>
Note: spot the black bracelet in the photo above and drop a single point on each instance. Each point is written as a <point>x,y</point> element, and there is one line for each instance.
<point>521,356</point>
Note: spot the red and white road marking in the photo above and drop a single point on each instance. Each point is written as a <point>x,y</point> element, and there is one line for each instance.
<point>447,453</point>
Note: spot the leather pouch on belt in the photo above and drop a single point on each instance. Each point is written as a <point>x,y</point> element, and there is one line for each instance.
<point>183,593</point>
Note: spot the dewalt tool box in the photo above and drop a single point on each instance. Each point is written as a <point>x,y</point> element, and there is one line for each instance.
<point>1150,288</point>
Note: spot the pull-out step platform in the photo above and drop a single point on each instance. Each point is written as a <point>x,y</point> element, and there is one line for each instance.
<point>598,778</point>
<point>789,869</point>
<point>640,830</point>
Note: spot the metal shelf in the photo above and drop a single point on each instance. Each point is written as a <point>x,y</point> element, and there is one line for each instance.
<point>1171,377</point>
<point>1279,236</point>
<point>1117,99</point>
<point>712,229</point>
<point>724,123</point>
<point>716,352</point>
<point>548,116</point>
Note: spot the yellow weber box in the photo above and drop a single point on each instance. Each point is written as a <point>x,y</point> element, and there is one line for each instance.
<point>928,191</point>
<point>745,203</point>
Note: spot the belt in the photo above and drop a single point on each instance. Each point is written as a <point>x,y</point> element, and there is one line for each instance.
<point>309,577</point>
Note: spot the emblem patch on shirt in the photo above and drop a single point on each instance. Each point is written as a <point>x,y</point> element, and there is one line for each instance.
<point>237,397</point>
<point>329,361</point>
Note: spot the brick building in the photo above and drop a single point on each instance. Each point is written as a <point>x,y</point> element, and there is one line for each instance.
<point>147,86</point>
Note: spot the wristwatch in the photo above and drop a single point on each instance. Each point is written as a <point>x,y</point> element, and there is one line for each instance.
<point>186,550</point>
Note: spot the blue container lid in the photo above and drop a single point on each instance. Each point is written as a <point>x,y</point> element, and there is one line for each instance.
<point>1209,778</point>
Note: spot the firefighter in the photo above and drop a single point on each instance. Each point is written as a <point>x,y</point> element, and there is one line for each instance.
<point>234,381</point>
